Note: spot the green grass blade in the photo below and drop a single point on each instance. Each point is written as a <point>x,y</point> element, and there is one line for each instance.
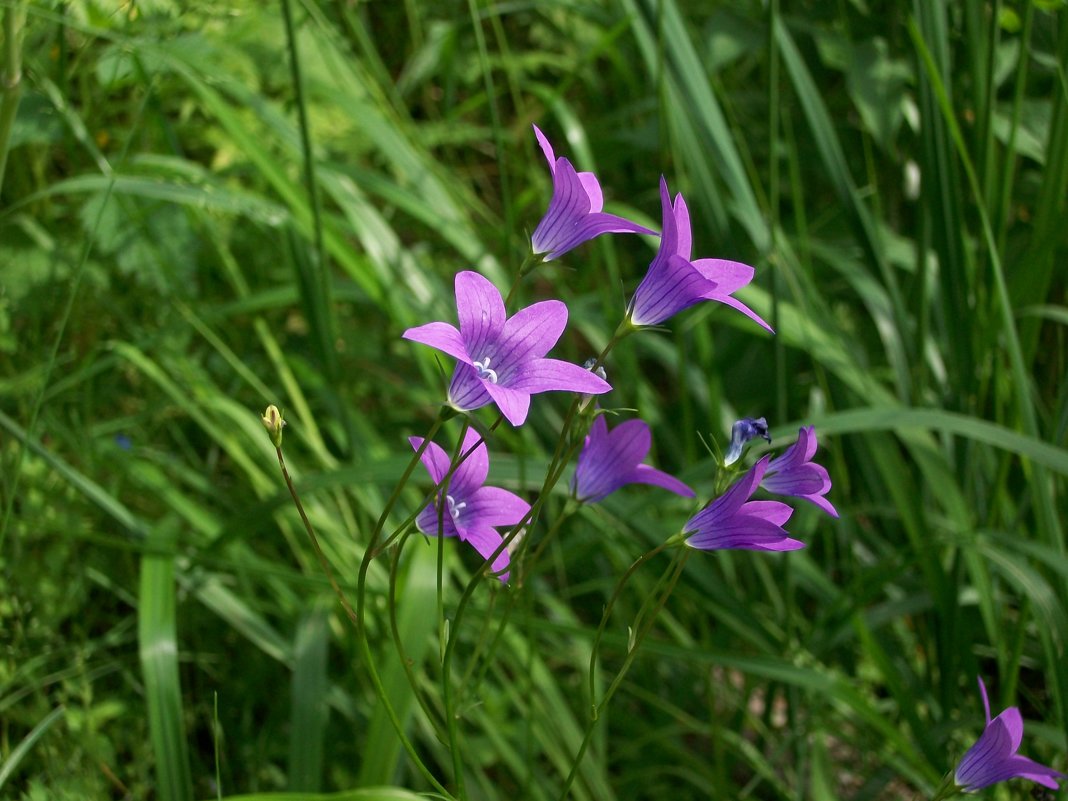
<point>158,648</point>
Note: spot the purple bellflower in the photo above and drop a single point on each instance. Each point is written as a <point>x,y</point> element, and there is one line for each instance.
<point>574,215</point>
<point>794,473</point>
<point>501,358</point>
<point>993,758</point>
<point>741,432</point>
<point>674,283</point>
<point>734,521</point>
<point>472,511</point>
<point>610,459</point>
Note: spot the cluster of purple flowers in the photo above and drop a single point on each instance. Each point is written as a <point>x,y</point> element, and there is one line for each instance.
<point>503,360</point>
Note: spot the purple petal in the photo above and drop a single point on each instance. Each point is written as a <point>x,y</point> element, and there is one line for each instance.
<point>670,285</point>
<point>645,474</point>
<point>472,471</point>
<point>480,309</point>
<point>546,148</point>
<point>427,521</point>
<point>497,507</point>
<point>681,214</point>
<point>728,504</point>
<point>592,187</point>
<point>669,236</point>
<point>729,276</point>
<point>986,699</point>
<point>549,375</point>
<point>434,458</point>
<point>574,214</point>
<point>607,458</point>
<point>466,390</point>
<point>442,336</point>
<point>486,540</point>
<point>514,404</point>
<point>530,334</point>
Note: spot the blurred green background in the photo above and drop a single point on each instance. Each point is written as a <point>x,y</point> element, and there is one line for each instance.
<point>897,173</point>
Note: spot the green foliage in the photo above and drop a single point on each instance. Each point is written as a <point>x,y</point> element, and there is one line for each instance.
<point>164,276</point>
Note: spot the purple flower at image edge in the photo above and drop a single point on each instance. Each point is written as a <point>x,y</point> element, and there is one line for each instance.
<point>732,521</point>
<point>501,358</point>
<point>611,459</point>
<point>472,511</point>
<point>993,758</point>
<point>574,215</point>
<point>793,473</point>
<point>674,282</point>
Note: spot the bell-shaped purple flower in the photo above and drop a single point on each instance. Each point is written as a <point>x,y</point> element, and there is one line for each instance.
<point>993,758</point>
<point>741,432</point>
<point>794,473</point>
<point>472,511</point>
<point>501,358</point>
<point>574,215</point>
<point>734,521</point>
<point>610,459</point>
<point>674,283</point>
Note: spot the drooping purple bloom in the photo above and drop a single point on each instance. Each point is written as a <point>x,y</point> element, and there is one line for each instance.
<point>501,358</point>
<point>993,758</point>
<point>741,432</point>
<point>674,283</point>
<point>734,521</point>
<point>574,215</point>
<point>472,512</point>
<point>794,473</point>
<point>610,459</point>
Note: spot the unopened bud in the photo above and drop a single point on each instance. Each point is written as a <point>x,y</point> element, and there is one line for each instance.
<point>744,430</point>
<point>273,422</point>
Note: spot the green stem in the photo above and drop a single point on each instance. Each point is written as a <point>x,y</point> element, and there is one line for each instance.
<point>672,575</point>
<point>10,78</point>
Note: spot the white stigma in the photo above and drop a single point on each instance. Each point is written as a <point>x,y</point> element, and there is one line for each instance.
<point>484,372</point>
<point>454,507</point>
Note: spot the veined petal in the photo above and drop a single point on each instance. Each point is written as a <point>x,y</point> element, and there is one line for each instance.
<point>442,336</point>
<point>646,474</point>
<point>774,512</point>
<point>480,309</point>
<point>497,507</point>
<point>591,226</point>
<point>514,404</point>
<point>729,276</point>
<point>548,375</point>
<point>681,214</point>
<point>592,187</point>
<point>434,458</point>
<point>670,285</point>
<point>428,522</point>
<point>486,540</point>
<point>751,535</point>
<point>466,390</point>
<point>472,471</point>
<point>530,334</point>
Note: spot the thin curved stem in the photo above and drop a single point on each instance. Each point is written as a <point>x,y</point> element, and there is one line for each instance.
<point>674,571</point>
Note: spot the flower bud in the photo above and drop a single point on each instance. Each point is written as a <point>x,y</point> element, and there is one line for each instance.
<point>273,422</point>
<point>744,430</point>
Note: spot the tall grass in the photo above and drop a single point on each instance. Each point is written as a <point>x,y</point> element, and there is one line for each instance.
<point>247,204</point>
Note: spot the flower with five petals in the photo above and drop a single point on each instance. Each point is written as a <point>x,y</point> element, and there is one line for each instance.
<point>502,359</point>
<point>472,511</point>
